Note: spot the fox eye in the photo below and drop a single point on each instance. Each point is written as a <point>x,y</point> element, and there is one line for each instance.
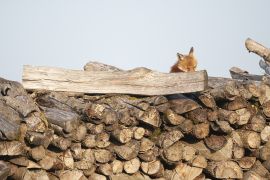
<point>180,56</point>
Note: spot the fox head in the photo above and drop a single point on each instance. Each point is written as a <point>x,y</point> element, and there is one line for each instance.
<point>187,63</point>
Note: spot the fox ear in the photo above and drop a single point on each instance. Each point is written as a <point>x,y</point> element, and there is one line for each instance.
<point>191,51</point>
<point>180,56</point>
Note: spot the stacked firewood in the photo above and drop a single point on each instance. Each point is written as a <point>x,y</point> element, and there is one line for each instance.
<point>221,133</point>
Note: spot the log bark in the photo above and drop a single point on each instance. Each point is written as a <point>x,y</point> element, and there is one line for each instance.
<point>138,81</point>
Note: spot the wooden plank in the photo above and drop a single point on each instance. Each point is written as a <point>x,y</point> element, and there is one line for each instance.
<point>137,81</point>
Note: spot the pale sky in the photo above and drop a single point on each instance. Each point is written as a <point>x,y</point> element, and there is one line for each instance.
<point>131,33</point>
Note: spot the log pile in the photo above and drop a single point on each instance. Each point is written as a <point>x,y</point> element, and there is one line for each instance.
<point>221,133</point>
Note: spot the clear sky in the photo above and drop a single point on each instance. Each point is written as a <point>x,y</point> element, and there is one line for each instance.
<point>131,33</point>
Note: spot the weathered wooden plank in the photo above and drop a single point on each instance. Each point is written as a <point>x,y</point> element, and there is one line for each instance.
<point>137,81</point>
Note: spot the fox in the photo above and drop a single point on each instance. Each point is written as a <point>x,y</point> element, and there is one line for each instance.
<point>185,63</point>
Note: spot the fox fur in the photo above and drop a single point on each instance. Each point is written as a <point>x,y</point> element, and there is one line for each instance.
<point>185,63</point>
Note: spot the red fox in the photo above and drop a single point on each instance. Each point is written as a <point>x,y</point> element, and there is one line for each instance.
<point>185,63</point>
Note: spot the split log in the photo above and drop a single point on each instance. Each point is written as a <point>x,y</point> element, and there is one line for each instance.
<point>153,169</point>
<point>11,88</point>
<point>177,152</point>
<point>224,126</point>
<point>123,135</point>
<point>12,148</point>
<point>238,152</point>
<point>208,100</point>
<point>23,161</point>
<point>166,139</point>
<point>151,116</point>
<point>251,175</point>
<point>252,88</point>
<point>149,155</point>
<point>89,141</point>
<point>260,169</point>
<point>244,116</point>
<point>10,120</point>
<point>264,93</point>
<point>102,140</point>
<point>37,139</point>
<point>237,73</point>
<point>65,119</point>
<point>96,176</point>
<point>224,153</point>
<point>76,151</point>
<point>60,142</point>
<point>146,144</point>
<point>138,133</point>
<point>22,104</point>
<point>103,155</point>
<point>198,115</point>
<point>117,166</point>
<point>105,169</point>
<point>257,123</point>
<point>253,46</point>
<point>61,100</point>
<point>230,116</point>
<point>173,118</point>
<point>264,152</point>
<point>215,143</point>
<point>237,103</point>
<point>265,134</point>
<point>95,129</point>
<point>183,104</point>
<point>187,126</point>
<point>140,81</point>
<point>265,66</point>
<point>132,166</point>
<point>4,170</point>
<point>201,130</point>
<point>72,175</point>
<point>79,134</point>
<point>199,161</point>
<point>228,91</point>
<point>38,153</point>
<point>266,108</point>
<point>246,162</point>
<point>225,170</point>
<point>183,171</point>
<point>129,150</point>
<point>67,159</point>
<point>48,163</point>
<point>38,174</point>
<point>249,139</point>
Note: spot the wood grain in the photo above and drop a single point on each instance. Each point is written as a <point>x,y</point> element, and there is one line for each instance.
<point>137,81</point>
